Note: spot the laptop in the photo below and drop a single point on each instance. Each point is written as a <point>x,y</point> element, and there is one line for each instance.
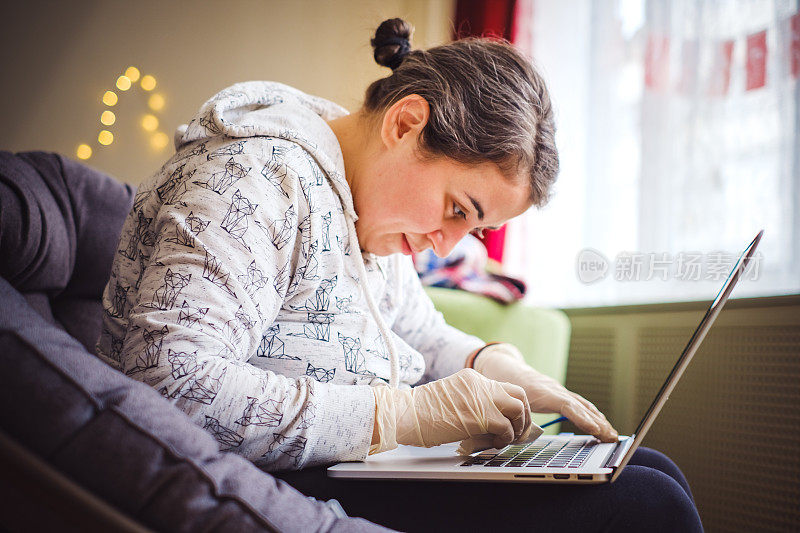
<point>564,458</point>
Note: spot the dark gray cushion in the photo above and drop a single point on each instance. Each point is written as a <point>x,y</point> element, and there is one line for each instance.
<point>59,226</point>
<point>120,439</point>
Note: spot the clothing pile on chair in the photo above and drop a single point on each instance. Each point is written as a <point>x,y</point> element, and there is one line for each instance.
<point>468,268</point>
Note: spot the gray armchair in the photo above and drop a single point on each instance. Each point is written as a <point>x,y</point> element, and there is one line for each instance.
<point>83,447</point>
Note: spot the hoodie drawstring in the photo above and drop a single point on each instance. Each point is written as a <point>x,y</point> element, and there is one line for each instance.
<point>394,377</point>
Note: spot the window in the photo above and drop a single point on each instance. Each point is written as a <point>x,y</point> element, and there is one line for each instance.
<point>678,132</point>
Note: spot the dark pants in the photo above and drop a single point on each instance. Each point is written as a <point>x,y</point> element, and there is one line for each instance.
<point>650,495</point>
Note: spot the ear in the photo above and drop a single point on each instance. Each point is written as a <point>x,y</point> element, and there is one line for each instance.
<point>404,120</point>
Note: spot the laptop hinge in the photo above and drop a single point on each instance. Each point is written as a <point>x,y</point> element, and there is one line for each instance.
<point>618,453</point>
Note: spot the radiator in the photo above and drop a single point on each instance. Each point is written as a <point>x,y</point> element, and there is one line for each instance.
<point>733,422</point>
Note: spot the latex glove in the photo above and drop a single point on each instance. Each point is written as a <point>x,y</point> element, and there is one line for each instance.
<point>504,362</point>
<point>479,443</point>
<point>457,407</point>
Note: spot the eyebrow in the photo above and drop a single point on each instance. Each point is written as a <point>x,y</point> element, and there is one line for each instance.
<point>477,205</point>
<point>479,209</point>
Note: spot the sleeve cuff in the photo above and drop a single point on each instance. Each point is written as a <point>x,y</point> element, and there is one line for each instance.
<point>343,424</point>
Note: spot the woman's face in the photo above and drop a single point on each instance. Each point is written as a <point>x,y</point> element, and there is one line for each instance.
<point>410,204</point>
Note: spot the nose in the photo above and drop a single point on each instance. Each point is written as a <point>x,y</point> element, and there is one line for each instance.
<point>445,239</point>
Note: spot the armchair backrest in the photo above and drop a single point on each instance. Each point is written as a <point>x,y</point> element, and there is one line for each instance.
<point>59,227</point>
<point>542,335</point>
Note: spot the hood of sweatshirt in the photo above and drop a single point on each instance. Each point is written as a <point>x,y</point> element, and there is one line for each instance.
<point>271,109</point>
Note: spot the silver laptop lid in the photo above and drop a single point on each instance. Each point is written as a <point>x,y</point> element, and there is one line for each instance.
<point>686,356</point>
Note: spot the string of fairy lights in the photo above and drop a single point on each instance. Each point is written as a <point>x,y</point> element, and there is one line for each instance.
<point>149,121</point>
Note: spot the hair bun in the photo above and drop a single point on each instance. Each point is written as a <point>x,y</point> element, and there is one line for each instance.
<point>392,42</point>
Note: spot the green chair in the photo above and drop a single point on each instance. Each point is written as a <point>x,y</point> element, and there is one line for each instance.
<point>542,335</point>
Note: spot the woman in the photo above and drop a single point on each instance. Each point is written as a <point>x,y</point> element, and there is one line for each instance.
<point>263,280</point>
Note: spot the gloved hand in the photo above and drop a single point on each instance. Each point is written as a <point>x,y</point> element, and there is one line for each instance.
<point>504,362</point>
<point>457,407</point>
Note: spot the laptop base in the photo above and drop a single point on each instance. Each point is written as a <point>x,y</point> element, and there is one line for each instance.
<point>443,464</point>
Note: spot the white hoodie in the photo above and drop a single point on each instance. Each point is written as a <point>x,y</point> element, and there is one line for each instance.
<point>239,291</point>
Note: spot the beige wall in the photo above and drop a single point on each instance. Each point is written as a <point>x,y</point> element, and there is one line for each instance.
<point>58,58</point>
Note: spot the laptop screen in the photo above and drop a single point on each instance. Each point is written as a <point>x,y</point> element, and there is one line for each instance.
<point>691,347</point>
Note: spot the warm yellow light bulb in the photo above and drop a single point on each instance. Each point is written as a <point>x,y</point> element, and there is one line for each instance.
<point>105,137</point>
<point>156,102</point>
<point>148,82</point>
<point>159,141</point>
<point>110,98</point>
<point>123,83</point>
<point>84,151</point>
<point>149,123</point>
<point>132,73</point>
<point>108,118</point>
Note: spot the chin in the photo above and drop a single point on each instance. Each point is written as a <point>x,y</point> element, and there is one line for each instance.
<point>382,249</point>
<point>384,245</point>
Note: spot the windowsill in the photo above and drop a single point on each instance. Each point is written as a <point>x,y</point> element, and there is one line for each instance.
<point>733,303</point>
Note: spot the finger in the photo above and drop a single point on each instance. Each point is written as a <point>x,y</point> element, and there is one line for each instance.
<point>502,430</point>
<point>610,434</point>
<point>523,437</point>
<point>513,404</point>
<point>607,433</point>
<point>533,433</point>
<point>501,442</point>
<point>501,413</point>
<point>587,421</point>
<point>581,417</point>
<point>476,443</point>
<point>520,394</point>
<point>585,405</point>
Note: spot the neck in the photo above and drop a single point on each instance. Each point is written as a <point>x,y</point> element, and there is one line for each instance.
<point>351,132</point>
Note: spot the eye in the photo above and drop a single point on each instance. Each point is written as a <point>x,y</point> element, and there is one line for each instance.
<point>457,211</point>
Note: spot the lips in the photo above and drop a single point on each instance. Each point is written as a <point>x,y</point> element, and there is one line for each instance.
<point>406,246</point>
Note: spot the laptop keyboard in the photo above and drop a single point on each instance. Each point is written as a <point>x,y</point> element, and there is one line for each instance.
<point>552,454</point>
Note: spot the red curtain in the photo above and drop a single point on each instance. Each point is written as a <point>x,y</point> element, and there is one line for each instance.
<point>484,18</point>
<point>509,19</point>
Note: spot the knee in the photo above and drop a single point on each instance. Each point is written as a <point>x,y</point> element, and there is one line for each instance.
<point>654,459</point>
<point>652,500</point>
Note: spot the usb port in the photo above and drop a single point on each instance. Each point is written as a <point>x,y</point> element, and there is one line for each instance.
<point>585,476</point>
<point>560,476</point>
